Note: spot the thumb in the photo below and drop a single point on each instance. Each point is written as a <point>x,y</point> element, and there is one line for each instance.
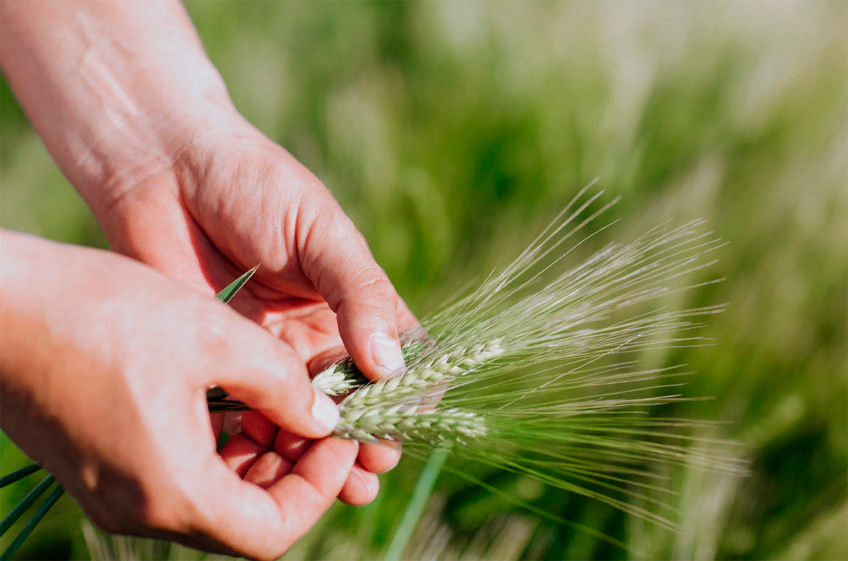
<point>261,371</point>
<point>336,258</point>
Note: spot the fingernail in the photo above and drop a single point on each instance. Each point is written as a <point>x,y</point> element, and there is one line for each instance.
<point>387,356</point>
<point>324,411</point>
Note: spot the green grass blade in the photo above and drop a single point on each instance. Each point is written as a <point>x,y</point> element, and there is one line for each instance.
<point>33,522</point>
<point>545,514</point>
<point>227,294</point>
<point>216,396</point>
<point>27,502</point>
<point>420,496</point>
<point>10,478</point>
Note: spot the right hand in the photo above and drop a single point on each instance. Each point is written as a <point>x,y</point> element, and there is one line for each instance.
<point>105,364</point>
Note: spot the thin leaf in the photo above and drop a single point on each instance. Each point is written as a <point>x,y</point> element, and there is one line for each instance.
<point>27,502</point>
<point>10,478</point>
<point>33,522</point>
<point>420,496</point>
<point>217,395</point>
<point>227,294</point>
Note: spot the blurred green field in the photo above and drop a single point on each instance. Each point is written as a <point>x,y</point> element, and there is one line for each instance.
<point>452,131</point>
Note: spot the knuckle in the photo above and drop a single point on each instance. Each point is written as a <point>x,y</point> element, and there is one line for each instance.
<point>372,281</point>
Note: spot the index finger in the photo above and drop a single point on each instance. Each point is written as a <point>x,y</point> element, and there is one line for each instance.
<point>264,524</point>
<point>313,484</point>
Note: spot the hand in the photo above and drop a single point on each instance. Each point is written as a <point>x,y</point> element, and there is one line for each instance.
<point>234,199</point>
<point>104,367</point>
<point>179,180</point>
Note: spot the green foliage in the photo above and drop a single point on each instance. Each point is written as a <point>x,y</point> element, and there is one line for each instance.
<point>451,132</point>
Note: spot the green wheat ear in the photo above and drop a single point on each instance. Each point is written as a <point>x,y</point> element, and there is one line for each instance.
<point>519,374</point>
<point>213,396</point>
<point>519,369</point>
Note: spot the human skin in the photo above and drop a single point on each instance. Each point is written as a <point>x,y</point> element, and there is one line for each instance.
<point>139,120</point>
<point>105,365</point>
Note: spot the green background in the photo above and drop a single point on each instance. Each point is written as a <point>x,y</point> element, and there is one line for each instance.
<point>452,131</point>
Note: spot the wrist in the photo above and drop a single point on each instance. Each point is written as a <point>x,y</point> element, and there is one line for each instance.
<point>115,90</point>
<point>147,128</point>
<point>152,146</point>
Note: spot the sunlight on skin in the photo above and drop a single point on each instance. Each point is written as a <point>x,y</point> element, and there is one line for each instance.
<point>180,181</point>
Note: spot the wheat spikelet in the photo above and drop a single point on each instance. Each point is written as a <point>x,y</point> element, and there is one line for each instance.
<point>522,371</point>
<point>519,371</point>
<point>338,379</point>
<point>408,423</point>
<point>424,375</point>
<point>343,376</point>
<point>528,373</point>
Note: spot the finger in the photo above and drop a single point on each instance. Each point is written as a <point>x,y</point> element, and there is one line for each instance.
<point>323,360</point>
<point>242,450</point>
<point>238,516</point>
<point>372,459</point>
<point>290,446</point>
<point>259,428</point>
<point>268,469</point>
<point>332,351</point>
<point>217,422</point>
<point>336,258</point>
<point>406,320</point>
<point>232,422</point>
<point>240,453</point>
<point>269,377</point>
<point>360,488</point>
<point>313,484</point>
<point>265,523</point>
<point>379,458</point>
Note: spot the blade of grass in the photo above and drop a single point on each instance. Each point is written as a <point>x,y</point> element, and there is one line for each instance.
<point>33,522</point>
<point>27,502</point>
<point>420,496</point>
<point>544,513</point>
<point>227,294</point>
<point>216,396</point>
<point>10,478</point>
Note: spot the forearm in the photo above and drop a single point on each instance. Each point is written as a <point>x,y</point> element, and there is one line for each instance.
<point>115,89</point>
